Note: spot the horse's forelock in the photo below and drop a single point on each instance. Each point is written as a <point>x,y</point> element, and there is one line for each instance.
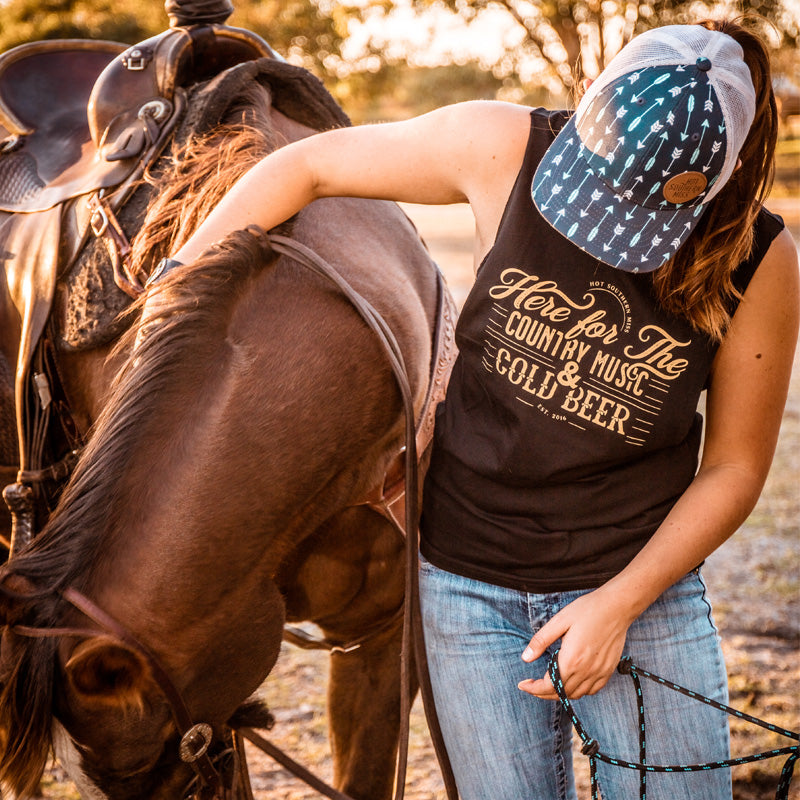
<point>26,717</point>
<point>26,680</point>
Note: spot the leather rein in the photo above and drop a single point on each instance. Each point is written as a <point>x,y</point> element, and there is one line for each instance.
<point>196,738</point>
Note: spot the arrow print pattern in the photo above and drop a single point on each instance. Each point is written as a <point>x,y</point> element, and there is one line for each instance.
<point>639,132</point>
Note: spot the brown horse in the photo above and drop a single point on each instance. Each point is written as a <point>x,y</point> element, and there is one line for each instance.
<point>222,492</point>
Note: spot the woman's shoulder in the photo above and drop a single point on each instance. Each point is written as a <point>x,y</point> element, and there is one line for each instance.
<point>767,227</point>
<point>780,257</point>
<point>774,290</point>
<point>770,238</point>
<point>486,124</point>
<point>761,339</point>
<point>495,119</point>
<point>487,143</point>
<point>488,111</point>
<point>488,139</point>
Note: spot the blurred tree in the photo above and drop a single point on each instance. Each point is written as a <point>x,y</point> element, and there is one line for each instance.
<point>309,33</point>
<point>399,90</point>
<point>305,32</point>
<point>31,20</point>
<point>548,42</point>
<point>560,41</point>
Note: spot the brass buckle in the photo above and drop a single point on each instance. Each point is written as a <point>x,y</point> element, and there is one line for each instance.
<point>195,742</point>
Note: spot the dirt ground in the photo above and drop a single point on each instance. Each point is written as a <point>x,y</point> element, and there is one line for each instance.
<point>754,582</point>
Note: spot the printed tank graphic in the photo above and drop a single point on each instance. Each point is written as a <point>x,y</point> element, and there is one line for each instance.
<point>579,359</point>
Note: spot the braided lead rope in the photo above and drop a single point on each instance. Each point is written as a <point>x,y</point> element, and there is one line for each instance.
<point>642,739</point>
<point>591,746</point>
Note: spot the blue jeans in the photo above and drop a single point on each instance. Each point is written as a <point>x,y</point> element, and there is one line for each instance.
<point>505,744</point>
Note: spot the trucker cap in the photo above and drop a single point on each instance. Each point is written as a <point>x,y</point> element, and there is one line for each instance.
<point>652,141</point>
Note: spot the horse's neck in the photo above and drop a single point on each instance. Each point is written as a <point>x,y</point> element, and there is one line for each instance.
<point>288,130</point>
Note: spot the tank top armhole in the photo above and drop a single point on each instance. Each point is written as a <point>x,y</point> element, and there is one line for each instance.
<point>545,124</point>
<point>765,228</point>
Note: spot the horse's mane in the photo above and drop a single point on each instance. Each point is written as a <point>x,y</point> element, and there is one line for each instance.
<point>198,174</point>
<point>194,300</point>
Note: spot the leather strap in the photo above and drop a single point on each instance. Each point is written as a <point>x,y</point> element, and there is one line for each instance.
<point>183,720</point>
<point>412,620</point>
<point>290,764</point>
<point>105,226</point>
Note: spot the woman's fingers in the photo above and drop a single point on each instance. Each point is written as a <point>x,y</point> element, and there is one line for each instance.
<point>592,640</point>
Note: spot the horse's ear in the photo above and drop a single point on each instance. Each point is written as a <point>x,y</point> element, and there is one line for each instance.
<point>104,672</point>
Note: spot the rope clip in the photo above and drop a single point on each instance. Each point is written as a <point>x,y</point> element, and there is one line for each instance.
<point>625,666</point>
<point>590,747</point>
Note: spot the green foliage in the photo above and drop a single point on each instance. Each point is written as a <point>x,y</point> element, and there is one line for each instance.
<point>304,32</point>
<point>399,91</point>
<point>568,39</point>
<point>32,20</point>
<point>298,29</point>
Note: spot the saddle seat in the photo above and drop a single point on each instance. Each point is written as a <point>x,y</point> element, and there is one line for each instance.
<point>44,90</point>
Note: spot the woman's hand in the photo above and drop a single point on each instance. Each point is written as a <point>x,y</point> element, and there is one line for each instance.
<point>592,629</point>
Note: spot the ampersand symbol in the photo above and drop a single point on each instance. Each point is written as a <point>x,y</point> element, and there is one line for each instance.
<point>567,376</point>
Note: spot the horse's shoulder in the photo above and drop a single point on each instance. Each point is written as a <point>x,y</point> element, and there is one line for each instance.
<point>374,245</point>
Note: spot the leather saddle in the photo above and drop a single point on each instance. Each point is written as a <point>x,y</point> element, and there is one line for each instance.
<point>78,116</point>
<point>47,154</point>
<point>80,122</point>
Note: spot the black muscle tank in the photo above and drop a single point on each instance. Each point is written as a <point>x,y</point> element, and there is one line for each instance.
<point>570,427</point>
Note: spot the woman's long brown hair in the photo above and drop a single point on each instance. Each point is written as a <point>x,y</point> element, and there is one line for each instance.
<point>697,283</point>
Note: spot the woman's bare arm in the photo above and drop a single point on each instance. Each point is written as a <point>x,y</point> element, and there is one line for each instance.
<point>468,152</point>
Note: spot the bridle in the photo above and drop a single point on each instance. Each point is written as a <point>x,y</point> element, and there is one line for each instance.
<point>196,738</point>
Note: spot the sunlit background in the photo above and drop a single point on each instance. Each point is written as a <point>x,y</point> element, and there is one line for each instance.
<point>390,59</point>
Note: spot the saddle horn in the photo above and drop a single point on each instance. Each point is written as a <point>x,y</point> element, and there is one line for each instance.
<point>197,12</point>
<point>133,102</point>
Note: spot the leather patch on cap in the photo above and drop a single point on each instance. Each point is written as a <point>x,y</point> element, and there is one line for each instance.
<point>684,187</point>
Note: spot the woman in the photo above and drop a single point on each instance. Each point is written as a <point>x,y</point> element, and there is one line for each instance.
<point>564,506</point>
